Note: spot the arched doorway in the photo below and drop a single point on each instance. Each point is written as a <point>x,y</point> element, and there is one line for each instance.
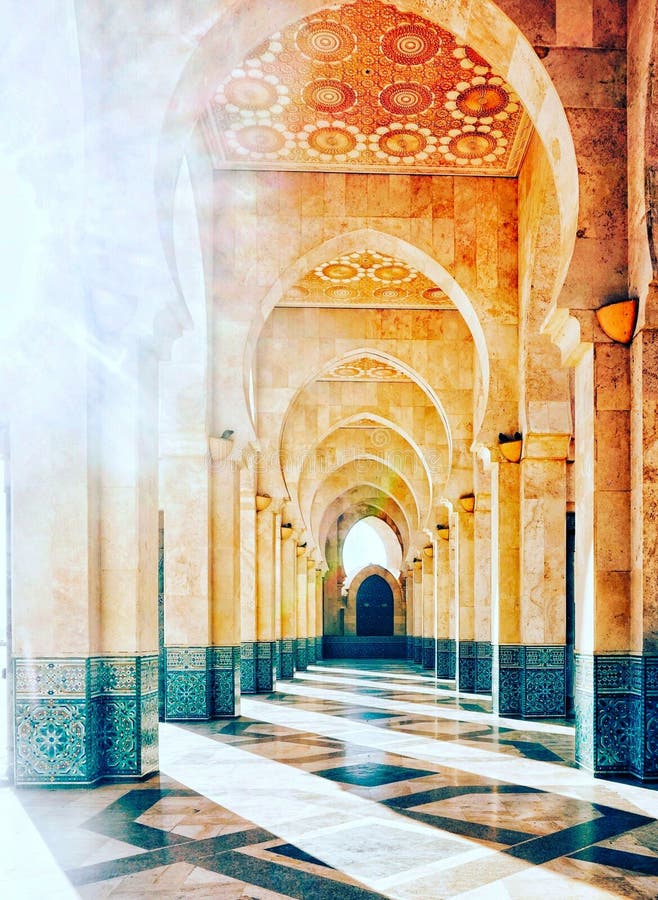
<point>374,608</point>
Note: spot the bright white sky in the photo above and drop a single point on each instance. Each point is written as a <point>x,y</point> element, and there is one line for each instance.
<point>371,542</point>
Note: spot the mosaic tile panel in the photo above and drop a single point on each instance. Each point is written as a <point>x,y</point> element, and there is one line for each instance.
<point>428,653</point>
<point>248,667</point>
<point>510,667</point>
<point>187,683</point>
<point>225,681</point>
<point>418,650</point>
<point>81,720</point>
<point>266,654</point>
<point>410,647</point>
<point>543,683</point>
<point>355,647</point>
<point>445,658</point>
<point>318,649</point>
<point>483,665</point>
<point>466,666</point>
<point>287,658</point>
<point>301,658</point>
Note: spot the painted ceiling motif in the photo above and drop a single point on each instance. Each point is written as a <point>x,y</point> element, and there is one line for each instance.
<point>367,279</point>
<point>366,86</point>
<point>364,368</point>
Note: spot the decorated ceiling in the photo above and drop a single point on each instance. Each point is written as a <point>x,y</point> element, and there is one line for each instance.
<point>367,279</point>
<point>364,86</point>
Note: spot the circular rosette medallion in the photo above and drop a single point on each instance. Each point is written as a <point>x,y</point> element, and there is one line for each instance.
<point>325,42</point>
<point>483,100</point>
<point>340,272</point>
<point>347,370</point>
<point>392,274</point>
<point>472,146</point>
<point>390,294</point>
<point>251,93</point>
<point>341,293</point>
<point>332,141</point>
<point>434,295</point>
<point>411,45</point>
<point>402,143</point>
<point>260,139</point>
<point>405,98</point>
<point>329,96</point>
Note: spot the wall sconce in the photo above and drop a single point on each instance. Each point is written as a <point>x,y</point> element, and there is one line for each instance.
<point>262,501</point>
<point>428,551</point>
<point>511,446</point>
<point>301,548</point>
<point>227,435</point>
<point>467,502</point>
<point>444,531</point>
<point>618,319</point>
<point>286,531</point>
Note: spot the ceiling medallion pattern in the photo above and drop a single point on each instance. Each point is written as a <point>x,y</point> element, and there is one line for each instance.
<point>364,85</point>
<point>366,278</point>
<point>364,369</point>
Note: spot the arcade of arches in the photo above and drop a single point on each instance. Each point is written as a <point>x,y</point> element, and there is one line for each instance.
<point>274,268</point>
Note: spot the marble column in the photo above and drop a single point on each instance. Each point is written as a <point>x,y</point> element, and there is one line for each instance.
<point>301,611</point>
<point>429,600</point>
<point>224,670</point>
<point>445,651</point>
<point>418,610</point>
<point>610,686</point>
<point>287,651</point>
<point>466,631</point>
<point>310,610</point>
<point>408,584</point>
<point>319,617</point>
<point>643,663</point>
<point>543,504</point>
<point>505,586</point>
<point>268,582</point>
<point>482,586</point>
<point>247,557</point>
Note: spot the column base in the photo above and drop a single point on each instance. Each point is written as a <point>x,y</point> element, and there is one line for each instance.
<point>318,649</point>
<point>301,654</point>
<point>266,666</point>
<point>467,664</point>
<point>248,667</point>
<point>445,658</point>
<point>483,666</point>
<point>410,647</point>
<point>531,680</point>
<point>82,720</point>
<point>429,647</point>
<point>310,651</point>
<point>616,706</point>
<point>418,650</point>
<point>201,683</point>
<point>287,658</point>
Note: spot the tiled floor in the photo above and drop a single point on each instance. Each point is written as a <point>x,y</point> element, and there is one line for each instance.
<point>352,781</point>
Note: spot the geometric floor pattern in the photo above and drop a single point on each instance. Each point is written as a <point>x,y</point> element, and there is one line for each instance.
<point>351,781</point>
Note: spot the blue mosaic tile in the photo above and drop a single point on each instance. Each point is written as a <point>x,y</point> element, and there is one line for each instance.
<point>613,734</point>
<point>318,648</point>
<point>265,666</point>
<point>584,710</point>
<point>483,667</point>
<point>287,659</point>
<point>248,667</point>
<point>301,660</point>
<point>543,693</point>
<point>428,653</point>
<point>51,742</point>
<point>50,678</point>
<point>418,650</point>
<point>310,651</point>
<point>510,670</point>
<point>119,746</point>
<point>187,695</point>
<point>149,734</point>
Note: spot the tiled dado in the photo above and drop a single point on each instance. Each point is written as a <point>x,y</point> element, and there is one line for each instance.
<point>446,658</point>
<point>532,680</point>
<point>84,719</point>
<point>475,663</point>
<point>616,705</point>
<point>202,682</point>
<point>418,650</point>
<point>301,654</point>
<point>287,658</point>
<point>267,664</point>
<point>428,658</point>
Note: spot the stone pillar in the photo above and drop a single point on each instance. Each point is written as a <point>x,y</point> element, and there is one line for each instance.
<point>185,500</point>
<point>505,612</point>
<point>319,617</point>
<point>482,587</point>
<point>418,611</point>
<point>543,575</point>
<point>643,669</point>
<point>429,599</point>
<point>466,633</point>
<point>310,610</point>
<point>301,611</point>
<point>224,669</point>
<point>247,556</point>
<point>445,650</point>
<point>268,587</point>
<point>408,584</point>
<point>287,654</point>
<point>608,680</point>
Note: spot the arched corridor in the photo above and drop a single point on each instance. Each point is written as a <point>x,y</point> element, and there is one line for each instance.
<point>327,342</point>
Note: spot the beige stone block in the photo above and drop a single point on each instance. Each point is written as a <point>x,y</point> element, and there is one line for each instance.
<point>574,24</point>
<point>356,195</point>
<point>612,451</point>
<point>612,617</point>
